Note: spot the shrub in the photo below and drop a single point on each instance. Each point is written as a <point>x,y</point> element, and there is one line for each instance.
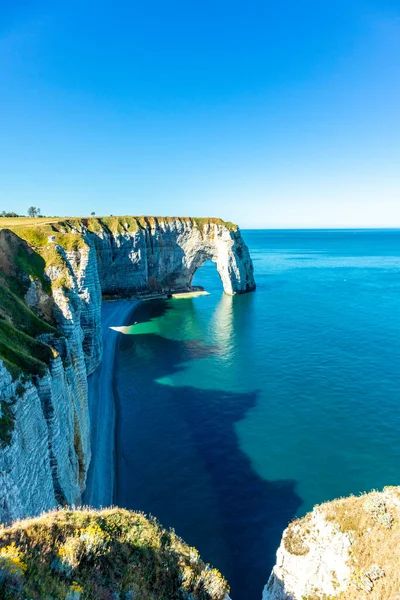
<point>101,555</point>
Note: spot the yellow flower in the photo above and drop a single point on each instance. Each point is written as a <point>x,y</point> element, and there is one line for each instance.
<point>75,587</point>
<point>11,560</point>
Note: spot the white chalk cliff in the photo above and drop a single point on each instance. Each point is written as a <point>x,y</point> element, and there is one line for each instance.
<point>162,255</point>
<point>44,417</point>
<point>311,559</point>
<point>345,549</point>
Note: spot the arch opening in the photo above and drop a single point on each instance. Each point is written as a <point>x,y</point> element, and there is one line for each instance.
<point>206,276</point>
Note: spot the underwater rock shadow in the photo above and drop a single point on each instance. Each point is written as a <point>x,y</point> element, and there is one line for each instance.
<point>252,511</point>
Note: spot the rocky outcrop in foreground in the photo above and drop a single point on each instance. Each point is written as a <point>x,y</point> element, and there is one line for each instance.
<point>77,555</point>
<point>347,549</point>
<point>52,277</point>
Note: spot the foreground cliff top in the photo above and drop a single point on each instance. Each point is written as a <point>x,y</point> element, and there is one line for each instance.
<point>348,549</point>
<point>95,555</point>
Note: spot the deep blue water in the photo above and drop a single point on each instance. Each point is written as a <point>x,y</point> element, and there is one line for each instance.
<point>237,414</point>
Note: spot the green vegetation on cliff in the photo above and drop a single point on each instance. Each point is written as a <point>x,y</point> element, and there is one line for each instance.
<point>44,240</point>
<point>44,227</point>
<point>20,326</point>
<point>101,555</point>
<point>23,354</point>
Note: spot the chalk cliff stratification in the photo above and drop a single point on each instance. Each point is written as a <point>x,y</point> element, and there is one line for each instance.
<point>162,255</point>
<point>346,549</point>
<point>52,277</point>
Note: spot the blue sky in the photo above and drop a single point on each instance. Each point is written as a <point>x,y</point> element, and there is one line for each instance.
<point>270,114</point>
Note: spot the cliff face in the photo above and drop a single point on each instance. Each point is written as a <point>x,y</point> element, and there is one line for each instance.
<point>162,255</point>
<point>346,549</point>
<point>45,446</point>
<point>52,276</point>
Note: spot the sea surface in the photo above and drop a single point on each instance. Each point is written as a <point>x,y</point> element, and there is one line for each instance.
<point>238,414</point>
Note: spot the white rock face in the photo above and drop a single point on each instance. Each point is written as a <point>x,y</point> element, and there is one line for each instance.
<point>312,561</point>
<point>47,460</point>
<point>164,257</point>
<point>26,483</point>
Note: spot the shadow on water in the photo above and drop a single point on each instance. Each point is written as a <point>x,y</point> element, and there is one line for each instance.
<point>179,458</point>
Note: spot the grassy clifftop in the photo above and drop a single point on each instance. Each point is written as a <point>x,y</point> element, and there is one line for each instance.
<point>117,224</point>
<point>111,554</point>
<point>347,549</point>
<point>373,523</point>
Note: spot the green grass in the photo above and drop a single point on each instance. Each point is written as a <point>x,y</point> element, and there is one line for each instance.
<point>22,317</point>
<point>23,354</point>
<point>40,252</point>
<point>103,555</point>
<point>115,224</point>
<point>202,222</point>
<point>19,327</point>
<point>37,236</point>
<point>126,223</point>
<point>32,264</point>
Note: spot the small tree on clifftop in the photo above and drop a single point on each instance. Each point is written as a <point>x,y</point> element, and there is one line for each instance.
<point>33,211</point>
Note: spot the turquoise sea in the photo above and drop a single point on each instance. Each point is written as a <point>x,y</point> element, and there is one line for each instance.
<point>237,414</point>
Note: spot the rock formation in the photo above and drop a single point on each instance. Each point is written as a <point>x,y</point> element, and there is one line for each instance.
<point>52,277</point>
<point>162,255</point>
<point>345,550</point>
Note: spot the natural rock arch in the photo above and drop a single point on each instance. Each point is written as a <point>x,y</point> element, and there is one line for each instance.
<point>164,256</point>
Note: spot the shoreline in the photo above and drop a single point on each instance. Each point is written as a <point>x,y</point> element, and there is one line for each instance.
<point>101,479</point>
<point>100,483</point>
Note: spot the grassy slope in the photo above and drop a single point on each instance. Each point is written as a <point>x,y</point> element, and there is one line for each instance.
<point>101,555</point>
<point>19,325</point>
<point>20,350</point>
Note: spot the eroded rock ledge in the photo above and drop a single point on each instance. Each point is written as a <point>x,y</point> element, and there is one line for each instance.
<point>52,277</point>
<point>347,549</point>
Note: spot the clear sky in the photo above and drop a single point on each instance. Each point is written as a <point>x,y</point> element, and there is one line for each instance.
<point>270,114</point>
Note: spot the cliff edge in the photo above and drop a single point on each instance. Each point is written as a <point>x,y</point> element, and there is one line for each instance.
<point>114,553</point>
<point>345,550</point>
